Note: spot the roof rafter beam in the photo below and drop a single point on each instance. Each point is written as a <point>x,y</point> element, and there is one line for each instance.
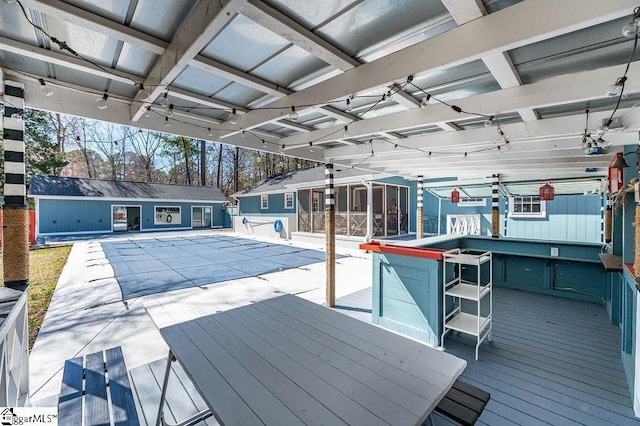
<point>206,19</point>
<point>63,60</point>
<point>233,74</point>
<point>553,91</point>
<point>499,63</point>
<point>286,27</point>
<point>570,127</point>
<point>489,35</point>
<point>97,23</point>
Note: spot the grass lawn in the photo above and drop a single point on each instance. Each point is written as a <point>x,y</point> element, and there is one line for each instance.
<point>45,266</point>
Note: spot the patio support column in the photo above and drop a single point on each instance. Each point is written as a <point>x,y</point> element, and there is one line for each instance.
<point>330,233</point>
<point>419,211</point>
<point>15,254</point>
<point>608,221</point>
<point>495,206</point>
<point>370,232</point>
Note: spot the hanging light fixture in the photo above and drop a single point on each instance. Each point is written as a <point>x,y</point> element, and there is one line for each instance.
<point>101,102</point>
<point>147,112</point>
<point>233,118</point>
<point>618,162</point>
<point>44,88</point>
<point>293,115</point>
<point>455,196</point>
<point>546,192</point>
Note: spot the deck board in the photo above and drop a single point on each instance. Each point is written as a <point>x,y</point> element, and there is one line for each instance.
<point>552,361</point>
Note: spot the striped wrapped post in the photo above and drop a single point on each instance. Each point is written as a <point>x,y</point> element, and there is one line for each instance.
<point>330,233</point>
<point>419,212</point>
<point>608,221</point>
<point>495,206</point>
<point>15,254</point>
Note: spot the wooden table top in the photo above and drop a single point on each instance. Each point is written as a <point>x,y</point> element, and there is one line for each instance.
<point>288,361</point>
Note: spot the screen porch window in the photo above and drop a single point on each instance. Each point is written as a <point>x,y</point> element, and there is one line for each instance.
<point>167,215</point>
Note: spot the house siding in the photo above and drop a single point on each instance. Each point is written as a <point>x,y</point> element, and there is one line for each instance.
<point>252,205</point>
<point>575,218</point>
<point>69,216</point>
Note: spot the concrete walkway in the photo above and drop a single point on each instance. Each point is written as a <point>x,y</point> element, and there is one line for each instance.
<point>87,314</point>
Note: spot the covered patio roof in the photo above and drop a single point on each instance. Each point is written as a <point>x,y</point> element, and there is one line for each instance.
<point>354,71</point>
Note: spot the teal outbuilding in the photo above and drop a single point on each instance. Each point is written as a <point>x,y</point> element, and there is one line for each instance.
<point>74,206</point>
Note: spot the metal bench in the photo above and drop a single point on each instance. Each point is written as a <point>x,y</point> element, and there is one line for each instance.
<point>102,381</point>
<point>463,403</point>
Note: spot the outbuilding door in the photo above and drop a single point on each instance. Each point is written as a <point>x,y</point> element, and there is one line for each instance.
<point>201,217</point>
<point>126,218</point>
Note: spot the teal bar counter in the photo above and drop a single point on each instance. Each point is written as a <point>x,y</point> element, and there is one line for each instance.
<point>407,276</point>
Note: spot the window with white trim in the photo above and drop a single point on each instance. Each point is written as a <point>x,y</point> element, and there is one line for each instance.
<point>288,200</point>
<point>167,215</point>
<point>472,202</point>
<point>264,202</point>
<point>527,207</point>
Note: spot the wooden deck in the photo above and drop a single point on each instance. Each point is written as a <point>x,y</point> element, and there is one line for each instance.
<point>552,361</point>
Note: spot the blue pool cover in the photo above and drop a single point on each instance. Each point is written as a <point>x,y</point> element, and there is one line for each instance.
<point>150,266</point>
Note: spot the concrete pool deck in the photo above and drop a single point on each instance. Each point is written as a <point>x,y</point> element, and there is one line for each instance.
<point>87,313</point>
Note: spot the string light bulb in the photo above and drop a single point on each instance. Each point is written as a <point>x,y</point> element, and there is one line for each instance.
<point>430,156</point>
<point>170,111</point>
<point>488,122</point>
<point>17,115</point>
<point>293,115</point>
<point>209,132</point>
<point>349,107</point>
<point>345,132</point>
<point>507,145</point>
<point>616,88</point>
<point>466,157</point>
<point>282,149</point>
<point>425,102</point>
<point>142,92</point>
<point>630,29</point>
<point>311,147</point>
<point>388,96</point>
<point>164,101</point>
<point>499,150</point>
<point>166,122</point>
<point>44,88</point>
<point>233,118</point>
<point>101,102</point>
<point>147,112</point>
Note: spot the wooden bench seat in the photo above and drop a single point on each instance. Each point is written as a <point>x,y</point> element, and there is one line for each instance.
<point>91,378</point>
<point>463,403</point>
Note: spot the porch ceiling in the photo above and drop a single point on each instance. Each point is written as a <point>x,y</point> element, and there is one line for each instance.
<point>536,65</point>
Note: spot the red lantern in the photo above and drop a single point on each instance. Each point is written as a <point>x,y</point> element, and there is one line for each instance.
<point>546,192</point>
<point>455,196</point>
